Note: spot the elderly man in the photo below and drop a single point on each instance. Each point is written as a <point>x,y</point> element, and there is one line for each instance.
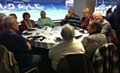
<point>71,18</point>
<point>106,27</point>
<point>67,46</point>
<point>1,27</point>
<point>94,40</point>
<point>17,44</point>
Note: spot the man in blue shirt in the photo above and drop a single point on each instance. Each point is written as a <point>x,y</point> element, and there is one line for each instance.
<point>17,44</point>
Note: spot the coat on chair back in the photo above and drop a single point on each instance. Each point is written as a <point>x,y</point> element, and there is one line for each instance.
<point>106,59</point>
<point>8,63</point>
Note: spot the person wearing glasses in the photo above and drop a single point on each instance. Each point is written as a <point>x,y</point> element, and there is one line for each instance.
<point>45,21</point>
<point>86,19</point>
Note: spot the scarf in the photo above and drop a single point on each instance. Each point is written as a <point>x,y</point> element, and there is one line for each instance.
<point>28,24</point>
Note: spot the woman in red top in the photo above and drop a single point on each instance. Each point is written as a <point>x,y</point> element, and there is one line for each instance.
<point>85,20</point>
<point>27,23</point>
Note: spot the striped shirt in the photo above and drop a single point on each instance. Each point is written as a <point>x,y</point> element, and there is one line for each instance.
<point>74,21</point>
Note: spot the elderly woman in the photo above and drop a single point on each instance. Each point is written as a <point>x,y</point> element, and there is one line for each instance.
<point>26,23</point>
<point>94,40</point>
<point>45,21</point>
<point>1,26</point>
<point>86,19</point>
<point>17,44</point>
<point>67,46</point>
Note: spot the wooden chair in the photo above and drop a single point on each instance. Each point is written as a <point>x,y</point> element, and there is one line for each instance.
<point>30,69</point>
<point>8,64</point>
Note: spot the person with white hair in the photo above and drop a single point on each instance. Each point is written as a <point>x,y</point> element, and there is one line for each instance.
<point>1,26</point>
<point>17,44</point>
<point>67,46</point>
<point>106,27</point>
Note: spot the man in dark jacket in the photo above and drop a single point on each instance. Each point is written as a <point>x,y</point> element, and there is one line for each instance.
<point>17,44</point>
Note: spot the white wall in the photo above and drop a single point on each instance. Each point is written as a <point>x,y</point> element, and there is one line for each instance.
<point>79,5</point>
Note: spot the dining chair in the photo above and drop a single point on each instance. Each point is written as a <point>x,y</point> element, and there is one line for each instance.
<point>105,59</point>
<point>8,64</point>
<point>30,69</point>
<point>75,63</point>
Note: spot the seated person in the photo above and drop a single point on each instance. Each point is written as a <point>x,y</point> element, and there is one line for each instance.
<point>85,20</point>
<point>111,19</point>
<point>1,26</point>
<point>67,46</point>
<point>94,40</point>
<point>106,27</point>
<point>14,15</point>
<point>108,13</point>
<point>26,23</point>
<point>17,44</point>
<point>45,21</point>
<point>71,18</point>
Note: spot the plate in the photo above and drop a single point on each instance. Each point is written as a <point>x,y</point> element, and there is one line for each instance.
<point>40,27</point>
<point>38,37</point>
<point>83,31</point>
<point>58,39</point>
<point>79,36</point>
<point>31,29</point>
<point>27,33</point>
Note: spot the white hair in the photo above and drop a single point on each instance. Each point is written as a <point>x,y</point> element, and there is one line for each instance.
<point>97,13</point>
<point>68,32</point>
<point>7,22</point>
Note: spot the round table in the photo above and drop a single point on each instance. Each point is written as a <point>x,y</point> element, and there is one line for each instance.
<point>49,34</point>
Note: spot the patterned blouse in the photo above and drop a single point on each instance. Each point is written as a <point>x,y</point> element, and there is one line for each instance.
<point>27,24</point>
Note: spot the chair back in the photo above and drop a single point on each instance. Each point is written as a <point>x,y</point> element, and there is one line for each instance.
<point>8,63</point>
<point>106,59</point>
<point>75,63</point>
